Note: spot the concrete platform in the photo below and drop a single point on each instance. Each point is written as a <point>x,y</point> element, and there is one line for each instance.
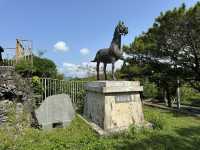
<point>114,105</point>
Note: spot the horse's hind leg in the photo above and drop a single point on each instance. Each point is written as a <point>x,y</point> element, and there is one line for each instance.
<point>113,71</point>
<point>104,70</point>
<point>98,70</point>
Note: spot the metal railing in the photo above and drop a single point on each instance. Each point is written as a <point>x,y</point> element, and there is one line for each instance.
<point>54,86</point>
<point>8,57</point>
<point>22,52</point>
<point>7,62</point>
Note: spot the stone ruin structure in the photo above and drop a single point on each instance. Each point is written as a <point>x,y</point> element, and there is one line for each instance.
<point>12,88</point>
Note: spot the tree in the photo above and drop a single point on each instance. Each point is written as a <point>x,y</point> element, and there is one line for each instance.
<point>42,67</point>
<point>171,47</point>
<point>24,68</point>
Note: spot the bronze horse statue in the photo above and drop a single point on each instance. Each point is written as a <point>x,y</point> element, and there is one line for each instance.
<point>113,53</point>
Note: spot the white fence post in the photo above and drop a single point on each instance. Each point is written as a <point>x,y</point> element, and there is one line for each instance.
<point>45,88</point>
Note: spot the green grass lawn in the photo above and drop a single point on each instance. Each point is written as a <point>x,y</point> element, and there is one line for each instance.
<point>172,131</point>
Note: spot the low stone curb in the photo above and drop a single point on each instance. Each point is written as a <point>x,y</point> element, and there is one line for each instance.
<point>94,127</point>
<point>171,109</point>
<point>102,132</point>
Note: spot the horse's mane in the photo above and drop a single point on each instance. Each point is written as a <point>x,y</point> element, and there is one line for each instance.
<point>116,37</point>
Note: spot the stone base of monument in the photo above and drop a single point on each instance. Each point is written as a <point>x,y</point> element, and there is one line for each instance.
<point>113,105</point>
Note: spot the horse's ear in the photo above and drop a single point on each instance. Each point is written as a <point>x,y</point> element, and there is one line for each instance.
<point>1,49</point>
<point>117,28</point>
<point>120,22</point>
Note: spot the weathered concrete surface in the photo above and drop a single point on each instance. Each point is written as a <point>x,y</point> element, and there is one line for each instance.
<point>55,111</point>
<point>114,105</point>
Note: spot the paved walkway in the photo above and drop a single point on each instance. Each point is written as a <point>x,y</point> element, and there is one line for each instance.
<point>194,111</point>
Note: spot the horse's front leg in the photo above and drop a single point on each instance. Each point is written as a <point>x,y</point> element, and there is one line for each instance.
<point>104,70</point>
<point>113,71</point>
<point>97,70</point>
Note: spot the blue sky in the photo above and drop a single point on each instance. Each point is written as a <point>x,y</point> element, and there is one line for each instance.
<point>80,24</point>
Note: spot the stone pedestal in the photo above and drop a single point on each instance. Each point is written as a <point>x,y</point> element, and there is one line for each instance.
<point>114,105</point>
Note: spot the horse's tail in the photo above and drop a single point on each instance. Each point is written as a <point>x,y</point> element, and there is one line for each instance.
<point>95,59</point>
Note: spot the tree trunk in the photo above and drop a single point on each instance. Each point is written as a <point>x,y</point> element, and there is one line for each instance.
<point>169,101</point>
<point>178,95</point>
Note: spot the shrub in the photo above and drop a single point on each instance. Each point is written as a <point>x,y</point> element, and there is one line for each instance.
<point>37,87</point>
<point>188,93</point>
<point>80,101</point>
<point>150,90</point>
<point>37,90</point>
<point>158,121</point>
<point>24,68</point>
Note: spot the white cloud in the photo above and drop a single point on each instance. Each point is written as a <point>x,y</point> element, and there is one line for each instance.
<point>88,64</point>
<point>61,46</point>
<point>86,69</point>
<point>60,70</point>
<point>78,70</point>
<point>84,51</point>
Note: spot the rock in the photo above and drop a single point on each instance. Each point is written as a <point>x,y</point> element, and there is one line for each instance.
<point>55,112</point>
<point>4,102</point>
<point>7,92</point>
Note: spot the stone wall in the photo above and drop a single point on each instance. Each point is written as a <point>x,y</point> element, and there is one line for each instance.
<point>6,75</point>
<point>13,86</point>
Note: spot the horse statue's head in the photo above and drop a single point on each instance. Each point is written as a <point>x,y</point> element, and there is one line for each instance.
<point>121,28</point>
